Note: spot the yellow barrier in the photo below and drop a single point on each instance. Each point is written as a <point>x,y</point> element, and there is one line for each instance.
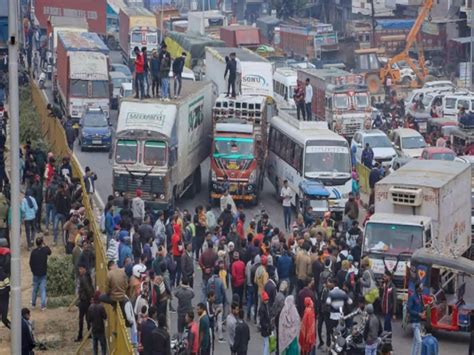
<point>363,172</point>
<point>118,338</point>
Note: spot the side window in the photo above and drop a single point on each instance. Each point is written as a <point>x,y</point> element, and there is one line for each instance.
<point>290,151</point>
<point>463,103</point>
<point>425,155</point>
<point>283,146</point>
<point>298,158</point>
<point>173,156</point>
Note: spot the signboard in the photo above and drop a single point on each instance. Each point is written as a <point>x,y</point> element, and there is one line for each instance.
<point>325,39</point>
<point>326,149</point>
<point>195,120</point>
<point>257,78</point>
<point>350,80</point>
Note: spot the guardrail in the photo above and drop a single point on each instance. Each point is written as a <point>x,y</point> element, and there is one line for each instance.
<point>118,339</point>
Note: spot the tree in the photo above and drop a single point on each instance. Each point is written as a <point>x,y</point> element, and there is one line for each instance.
<point>288,8</point>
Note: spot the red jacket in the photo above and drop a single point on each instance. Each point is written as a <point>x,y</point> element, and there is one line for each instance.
<point>240,229</point>
<point>238,273</point>
<point>175,239</point>
<point>139,64</point>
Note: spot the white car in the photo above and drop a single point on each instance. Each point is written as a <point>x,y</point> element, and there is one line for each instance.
<point>378,141</point>
<point>408,142</point>
<point>439,84</point>
<point>117,78</point>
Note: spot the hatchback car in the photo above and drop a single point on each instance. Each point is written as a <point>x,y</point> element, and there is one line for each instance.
<point>95,131</point>
<point>438,153</point>
<point>121,68</point>
<point>408,142</point>
<point>378,141</point>
<point>117,78</point>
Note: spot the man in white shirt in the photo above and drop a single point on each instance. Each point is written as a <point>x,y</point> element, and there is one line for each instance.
<point>226,199</point>
<point>286,195</point>
<point>308,99</point>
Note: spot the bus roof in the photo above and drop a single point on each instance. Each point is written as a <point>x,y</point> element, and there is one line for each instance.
<point>286,71</point>
<point>304,132</point>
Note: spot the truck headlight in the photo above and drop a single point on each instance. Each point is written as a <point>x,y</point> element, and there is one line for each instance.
<point>213,175</point>
<point>253,177</point>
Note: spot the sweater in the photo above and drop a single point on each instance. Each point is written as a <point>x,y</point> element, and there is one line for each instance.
<point>185,295</point>
<point>29,213</point>
<point>39,261</point>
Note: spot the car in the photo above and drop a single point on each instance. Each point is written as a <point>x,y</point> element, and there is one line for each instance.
<point>95,131</point>
<point>438,153</point>
<point>378,141</point>
<point>126,90</point>
<point>439,84</point>
<point>408,142</point>
<point>122,68</point>
<point>117,78</point>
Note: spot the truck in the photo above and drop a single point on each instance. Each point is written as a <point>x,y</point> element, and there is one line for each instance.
<point>58,24</point>
<point>257,72</point>
<point>340,98</point>
<point>159,146</point>
<point>82,75</point>
<point>425,203</point>
<point>241,36</point>
<point>94,11</point>
<point>137,29</point>
<point>3,26</point>
<point>239,148</point>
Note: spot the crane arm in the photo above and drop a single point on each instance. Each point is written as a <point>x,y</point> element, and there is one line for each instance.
<point>411,39</point>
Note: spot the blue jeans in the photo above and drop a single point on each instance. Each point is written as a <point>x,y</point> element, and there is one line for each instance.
<point>49,217</point>
<point>416,349</point>
<point>266,346</point>
<point>387,323</point>
<point>30,232</point>
<point>39,282</point>
<point>287,216</point>
<point>165,83</point>
<point>146,84</point>
<point>139,85</point>
<point>371,349</point>
<point>58,218</point>
<point>96,339</point>
<point>249,300</point>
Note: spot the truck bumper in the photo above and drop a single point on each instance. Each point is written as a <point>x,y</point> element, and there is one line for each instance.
<point>239,191</point>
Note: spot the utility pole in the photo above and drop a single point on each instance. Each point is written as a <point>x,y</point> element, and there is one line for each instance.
<point>373,22</point>
<point>472,45</point>
<point>161,24</point>
<point>14,107</point>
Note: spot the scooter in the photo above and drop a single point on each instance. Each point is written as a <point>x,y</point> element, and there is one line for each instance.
<point>42,79</point>
<point>179,343</point>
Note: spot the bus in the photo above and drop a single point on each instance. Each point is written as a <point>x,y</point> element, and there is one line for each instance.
<point>284,84</point>
<point>308,151</point>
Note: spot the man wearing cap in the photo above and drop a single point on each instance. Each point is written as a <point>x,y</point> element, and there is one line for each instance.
<point>39,266</point>
<point>139,73</point>
<point>138,209</point>
<point>265,322</point>
<point>97,316</point>
<point>372,331</point>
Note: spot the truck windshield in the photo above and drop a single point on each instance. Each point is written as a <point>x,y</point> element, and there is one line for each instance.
<point>126,151</point>
<point>233,148</point>
<point>326,159</point>
<point>151,38</point>
<point>341,101</point>
<point>95,120</point>
<point>154,153</point>
<point>361,100</point>
<point>414,142</point>
<point>392,238</point>
<point>79,88</point>
<point>100,89</point>
<point>136,37</point>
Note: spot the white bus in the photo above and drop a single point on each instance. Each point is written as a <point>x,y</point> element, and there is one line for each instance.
<point>284,84</point>
<point>301,150</point>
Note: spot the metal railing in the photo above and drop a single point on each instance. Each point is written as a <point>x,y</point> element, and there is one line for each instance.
<point>118,339</point>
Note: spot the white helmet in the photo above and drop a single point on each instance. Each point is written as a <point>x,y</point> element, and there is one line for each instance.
<point>138,270</point>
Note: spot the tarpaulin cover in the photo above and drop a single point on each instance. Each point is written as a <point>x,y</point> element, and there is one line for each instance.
<point>195,44</point>
<point>83,41</point>
<point>395,24</point>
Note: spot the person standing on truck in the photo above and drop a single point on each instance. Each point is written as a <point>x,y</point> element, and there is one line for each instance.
<point>286,194</point>
<point>165,65</point>
<point>146,70</point>
<point>238,77</point>
<point>155,73</point>
<point>308,99</point>
<point>178,67</point>
<point>231,68</point>
<point>299,101</point>
<point>139,70</point>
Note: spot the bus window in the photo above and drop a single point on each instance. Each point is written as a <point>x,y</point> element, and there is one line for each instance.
<point>290,149</point>
<point>297,158</point>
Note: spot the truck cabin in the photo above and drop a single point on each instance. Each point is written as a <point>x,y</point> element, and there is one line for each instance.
<point>315,200</point>
<point>345,98</point>
<point>143,36</point>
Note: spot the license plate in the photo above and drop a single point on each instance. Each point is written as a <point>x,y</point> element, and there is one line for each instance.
<point>233,188</point>
<point>96,141</point>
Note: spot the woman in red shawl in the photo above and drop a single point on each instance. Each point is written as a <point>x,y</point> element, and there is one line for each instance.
<point>177,249</point>
<point>307,338</point>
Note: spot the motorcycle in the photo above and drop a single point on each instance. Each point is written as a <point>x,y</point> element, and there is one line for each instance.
<point>42,79</point>
<point>179,344</point>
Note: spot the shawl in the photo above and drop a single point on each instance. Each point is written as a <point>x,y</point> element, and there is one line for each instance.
<point>308,327</point>
<point>289,324</point>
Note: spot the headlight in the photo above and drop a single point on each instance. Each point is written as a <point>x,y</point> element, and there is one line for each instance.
<point>162,196</point>
<point>108,134</point>
<point>213,175</point>
<point>117,193</point>
<point>253,177</point>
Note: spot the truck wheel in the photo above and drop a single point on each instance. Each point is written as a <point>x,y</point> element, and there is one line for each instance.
<point>373,83</point>
<point>111,43</point>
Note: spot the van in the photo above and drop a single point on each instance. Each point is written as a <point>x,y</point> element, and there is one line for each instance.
<point>451,103</point>
<point>430,96</point>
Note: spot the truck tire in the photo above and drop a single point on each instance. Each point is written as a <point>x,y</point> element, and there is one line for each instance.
<point>373,83</point>
<point>111,43</point>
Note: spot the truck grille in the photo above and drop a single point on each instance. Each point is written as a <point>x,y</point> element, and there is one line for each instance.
<point>406,196</point>
<point>149,185</point>
<point>351,128</point>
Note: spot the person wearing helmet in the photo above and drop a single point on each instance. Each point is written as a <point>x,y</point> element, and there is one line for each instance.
<point>138,274</point>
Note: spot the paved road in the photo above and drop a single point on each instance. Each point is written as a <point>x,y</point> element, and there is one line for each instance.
<point>99,162</point>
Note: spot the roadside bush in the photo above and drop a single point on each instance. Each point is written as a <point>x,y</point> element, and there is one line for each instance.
<point>60,276</point>
<point>30,121</point>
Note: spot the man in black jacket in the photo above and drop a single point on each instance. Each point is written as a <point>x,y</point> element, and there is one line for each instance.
<point>147,328</point>
<point>178,67</point>
<point>96,316</point>
<point>62,206</point>
<point>27,339</point>
<point>231,68</point>
<point>161,344</point>
<point>265,322</point>
<point>85,292</point>
<point>5,258</point>
<point>39,266</point>
<point>155,73</point>
<point>242,335</point>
